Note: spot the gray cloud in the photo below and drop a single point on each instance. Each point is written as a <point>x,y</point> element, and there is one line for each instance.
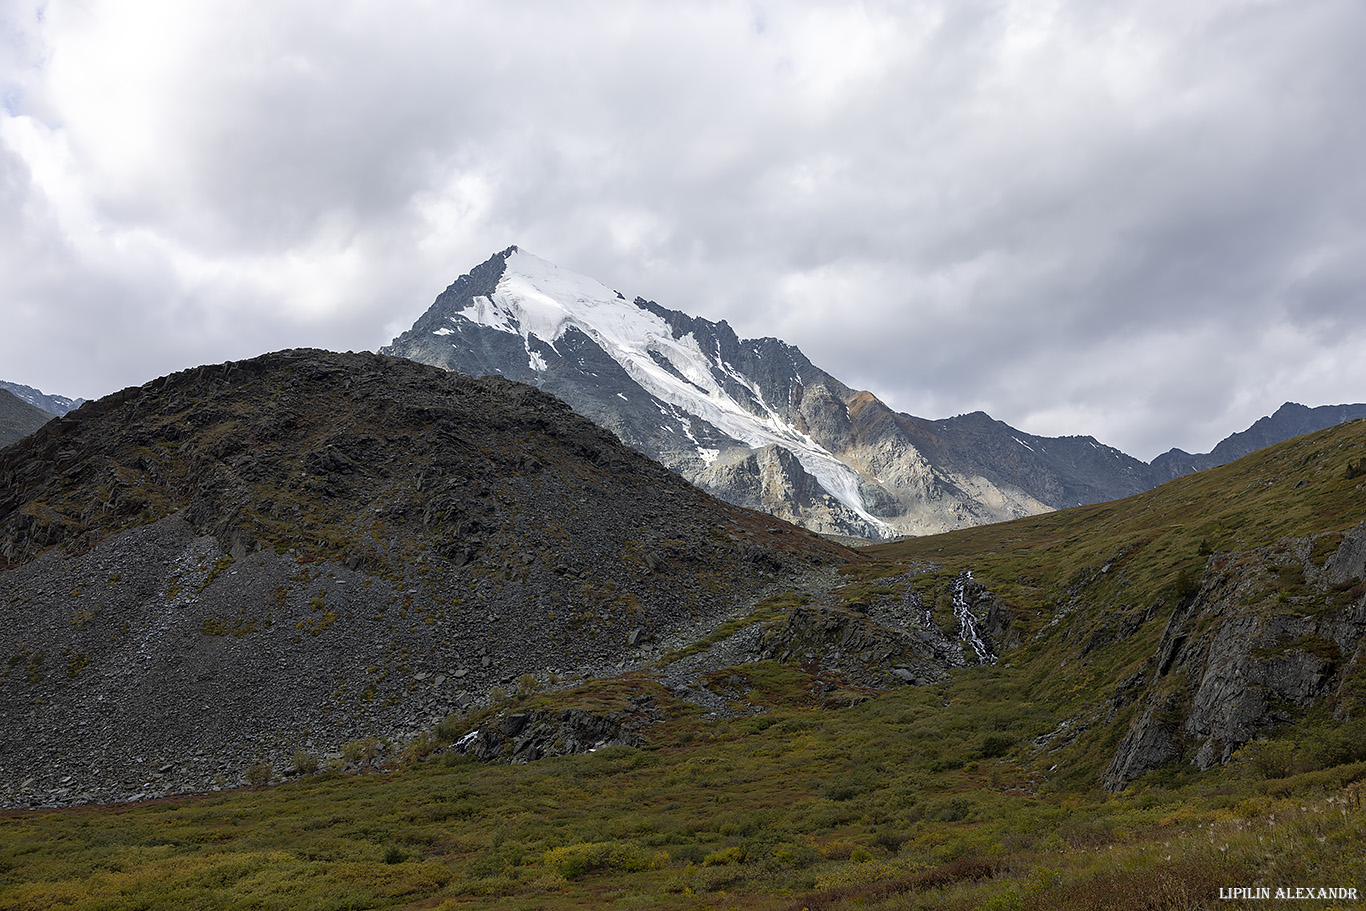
<point>1142,221</point>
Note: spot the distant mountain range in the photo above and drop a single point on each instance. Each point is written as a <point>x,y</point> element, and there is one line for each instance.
<point>18,418</point>
<point>756,423</point>
<point>24,409</point>
<point>53,404</point>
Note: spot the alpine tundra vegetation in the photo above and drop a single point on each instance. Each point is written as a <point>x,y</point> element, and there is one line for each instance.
<point>345,631</point>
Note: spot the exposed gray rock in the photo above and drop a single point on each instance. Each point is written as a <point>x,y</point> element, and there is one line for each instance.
<point>771,479</point>
<point>847,642</point>
<point>1269,634</point>
<point>1348,563</point>
<point>525,737</point>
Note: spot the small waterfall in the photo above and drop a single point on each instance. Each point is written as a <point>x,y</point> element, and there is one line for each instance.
<point>967,623</point>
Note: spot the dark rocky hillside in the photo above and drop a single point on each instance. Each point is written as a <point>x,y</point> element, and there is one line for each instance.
<point>18,418</point>
<point>268,559</point>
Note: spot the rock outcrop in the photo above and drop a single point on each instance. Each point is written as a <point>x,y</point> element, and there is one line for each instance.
<point>845,641</point>
<point>1269,634</point>
<point>890,642</point>
<point>528,736</point>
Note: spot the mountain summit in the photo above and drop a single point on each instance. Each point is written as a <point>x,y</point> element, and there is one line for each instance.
<point>751,420</point>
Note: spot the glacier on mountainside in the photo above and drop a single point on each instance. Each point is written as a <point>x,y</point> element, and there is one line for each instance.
<point>535,298</point>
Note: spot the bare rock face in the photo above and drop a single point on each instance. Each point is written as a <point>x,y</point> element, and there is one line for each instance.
<point>772,480</point>
<point>239,562</point>
<point>528,736</point>
<point>1269,634</point>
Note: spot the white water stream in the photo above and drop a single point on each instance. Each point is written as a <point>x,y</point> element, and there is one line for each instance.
<point>967,623</point>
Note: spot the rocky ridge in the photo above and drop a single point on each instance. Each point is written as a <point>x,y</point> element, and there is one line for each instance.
<point>1290,420</point>
<point>751,420</point>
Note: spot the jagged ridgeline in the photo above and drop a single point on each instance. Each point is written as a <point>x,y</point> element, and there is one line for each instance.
<point>1183,626</point>
<point>237,562</point>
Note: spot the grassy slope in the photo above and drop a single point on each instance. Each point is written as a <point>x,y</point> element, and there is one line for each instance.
<point>928,797</point>
<point>1098,567</point>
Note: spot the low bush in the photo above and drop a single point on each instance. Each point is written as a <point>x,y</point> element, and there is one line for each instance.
<point>574,861</point>
<point>305,763</point>
<point>260,773</point>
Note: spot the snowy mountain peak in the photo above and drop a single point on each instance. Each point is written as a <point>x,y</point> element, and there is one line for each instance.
<point>540,302</point>
<point>750,420</point>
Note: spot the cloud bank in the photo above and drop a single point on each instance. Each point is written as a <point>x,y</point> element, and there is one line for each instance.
<point>1143,221</point>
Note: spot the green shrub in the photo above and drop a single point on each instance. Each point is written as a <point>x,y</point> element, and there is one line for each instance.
<point>260,773</point>
<point>725,857</point>
<point>361,751</point>
<point>1268,759</point>
<point>689,854</point>
<point>76,665</point>
<point>419,749</point>
<point>1187,584</point>
<point>305,763</point>
<point>573,861</point>
<point>795,854</point>
<point>952,809</point>
<point>844,787</point>
<point>1333,745</point>
<point>890,840</point>
<point>996,745</point>
<point>450,728</point>
<point>488,864</point>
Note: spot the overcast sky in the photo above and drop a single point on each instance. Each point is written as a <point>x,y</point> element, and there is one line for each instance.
<point>1143,220</point>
